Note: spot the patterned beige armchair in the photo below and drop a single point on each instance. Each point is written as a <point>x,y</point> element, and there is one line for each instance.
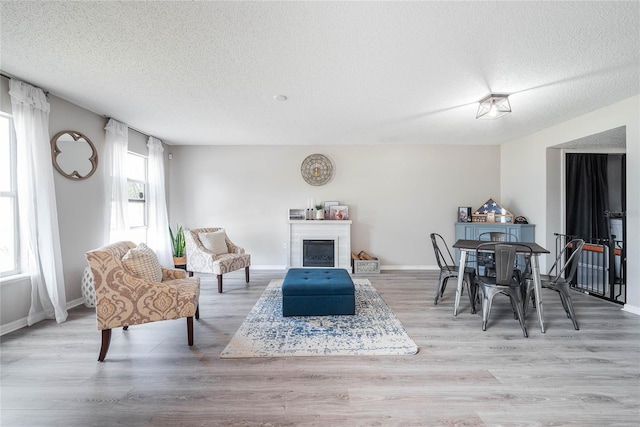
<point>209,250</point>
<point>132,288</point>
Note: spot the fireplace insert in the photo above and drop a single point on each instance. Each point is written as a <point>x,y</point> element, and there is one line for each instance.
<point>318,253</point>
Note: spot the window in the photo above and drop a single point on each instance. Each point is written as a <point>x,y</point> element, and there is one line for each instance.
<point>137,193</point>
<point>9,253</point>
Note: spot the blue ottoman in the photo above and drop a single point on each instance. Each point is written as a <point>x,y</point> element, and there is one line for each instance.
<point>317,292</point>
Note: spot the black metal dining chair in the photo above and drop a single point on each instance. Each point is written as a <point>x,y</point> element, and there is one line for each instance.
<point>559,278</point>
<point>449,270</point>
<point>486,259</point>
<point>498,236</point>
<point>506,280</point>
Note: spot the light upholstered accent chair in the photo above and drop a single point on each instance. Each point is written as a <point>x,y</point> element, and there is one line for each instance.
<point>132,288</point>
<point>209,250</point>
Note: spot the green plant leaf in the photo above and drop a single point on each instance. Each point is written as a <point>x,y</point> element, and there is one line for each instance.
<point>177,241</point>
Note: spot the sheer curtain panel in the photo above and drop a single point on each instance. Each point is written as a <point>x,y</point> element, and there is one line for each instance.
<point>37,211</point>
<point>115,179</point>
<point>158,237</point>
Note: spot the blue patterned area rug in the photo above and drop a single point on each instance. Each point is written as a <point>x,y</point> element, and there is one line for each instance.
<point>373,330</point>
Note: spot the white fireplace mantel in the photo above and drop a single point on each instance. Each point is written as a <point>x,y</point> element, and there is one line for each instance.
<point>327,229</point>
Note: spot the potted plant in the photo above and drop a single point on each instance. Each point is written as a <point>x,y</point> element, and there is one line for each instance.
<point>178,244</point>
<point>319,211</point>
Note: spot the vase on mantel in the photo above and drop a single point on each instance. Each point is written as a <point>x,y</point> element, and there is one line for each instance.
<point>320,214</point>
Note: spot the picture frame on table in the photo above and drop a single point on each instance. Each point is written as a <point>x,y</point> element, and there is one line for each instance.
<point>339,212</point>
<point>464,214</point>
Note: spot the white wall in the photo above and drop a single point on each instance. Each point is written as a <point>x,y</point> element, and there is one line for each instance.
<point>531,182</point>
<point>397,194</point>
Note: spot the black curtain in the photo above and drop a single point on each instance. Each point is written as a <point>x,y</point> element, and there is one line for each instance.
<point>587,196</point>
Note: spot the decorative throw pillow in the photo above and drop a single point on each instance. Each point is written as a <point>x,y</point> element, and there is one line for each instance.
<point>142,262</point>
<point>215,242</point>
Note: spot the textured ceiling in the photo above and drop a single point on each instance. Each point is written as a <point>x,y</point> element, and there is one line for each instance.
<point>353,72</point>
<point>613,138</point>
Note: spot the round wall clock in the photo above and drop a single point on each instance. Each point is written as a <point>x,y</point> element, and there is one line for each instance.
<point>316,169</point>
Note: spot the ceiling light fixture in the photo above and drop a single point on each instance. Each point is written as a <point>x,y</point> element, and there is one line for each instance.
<point>280,97</point>
<point>493,106</point>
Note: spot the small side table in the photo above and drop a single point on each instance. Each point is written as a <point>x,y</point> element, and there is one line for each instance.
<point>88,288</point>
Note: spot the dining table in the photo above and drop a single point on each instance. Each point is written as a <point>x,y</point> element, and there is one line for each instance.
<point>466,246</point>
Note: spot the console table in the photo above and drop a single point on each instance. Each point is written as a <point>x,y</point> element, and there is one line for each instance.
<point>471,230</point>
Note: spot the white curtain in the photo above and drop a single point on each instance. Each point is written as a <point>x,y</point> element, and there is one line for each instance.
<point>115,179</point>
<point>158,237</point>
<point>41,256</point>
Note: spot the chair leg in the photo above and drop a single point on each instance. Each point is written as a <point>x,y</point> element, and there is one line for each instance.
<point>513,308</point>
<point>564,304</point>
<point>488,295</point>
<point>219,283</point>
<point>190,330</point>
<point>198,312</point>
<point>486,308</point>
<point>527,295</point>
<point>486,304</point>
<point>514,294</point>
<point>565,296</point>
<point>472,289</point>
<point>106,340</point>
<point>442,282</point>
<point>246,274</point>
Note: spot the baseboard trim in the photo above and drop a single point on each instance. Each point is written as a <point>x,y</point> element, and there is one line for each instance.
<point>13,326</point>
<point>631,309</point>
<point>410,267</point>
<point>74,303</point>
<point>268,267</point>
<point>40,316</point>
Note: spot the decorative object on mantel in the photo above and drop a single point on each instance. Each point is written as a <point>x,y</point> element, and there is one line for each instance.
<point>297,214</point>
<point>327,209</point>
<point>320,211</point>
<point>339,212</point>
<point>492,211</point>
<point>74,155</point>
<point>363,263</point>
<point>521,220</point>
<point>316,169</point>
<point>178,245</point>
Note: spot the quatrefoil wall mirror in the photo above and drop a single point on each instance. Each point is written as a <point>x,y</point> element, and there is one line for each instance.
<point>74,155</point>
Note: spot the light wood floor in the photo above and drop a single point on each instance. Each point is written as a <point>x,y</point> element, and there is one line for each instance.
<point>462,376</point>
